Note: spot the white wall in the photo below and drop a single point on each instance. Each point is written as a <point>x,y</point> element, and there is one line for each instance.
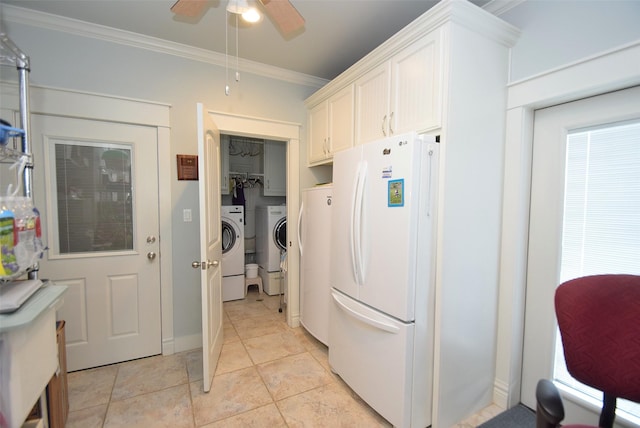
<point>70,61</point>
<point>558,32</point>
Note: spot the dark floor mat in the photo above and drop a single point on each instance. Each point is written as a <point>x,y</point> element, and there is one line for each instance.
<point>517,417</point>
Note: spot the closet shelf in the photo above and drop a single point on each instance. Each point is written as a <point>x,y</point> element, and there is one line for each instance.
<point>233,174</point>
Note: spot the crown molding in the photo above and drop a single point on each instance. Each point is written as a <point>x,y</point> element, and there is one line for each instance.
<point>76,27</point>
<point>498,7</point>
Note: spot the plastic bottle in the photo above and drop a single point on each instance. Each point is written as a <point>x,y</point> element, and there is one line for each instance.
<point>8,241</point>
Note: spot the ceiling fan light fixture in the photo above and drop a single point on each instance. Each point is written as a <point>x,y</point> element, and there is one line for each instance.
<point>238,6</point>
<point>252,15</point>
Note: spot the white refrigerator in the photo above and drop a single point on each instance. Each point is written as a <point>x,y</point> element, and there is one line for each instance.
<point>382,274</point>
<point>314,230</point>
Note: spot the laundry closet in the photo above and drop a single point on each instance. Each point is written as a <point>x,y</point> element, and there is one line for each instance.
<point>253,187</point>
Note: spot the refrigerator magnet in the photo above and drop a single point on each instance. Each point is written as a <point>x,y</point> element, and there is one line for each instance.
<point>396,193</point>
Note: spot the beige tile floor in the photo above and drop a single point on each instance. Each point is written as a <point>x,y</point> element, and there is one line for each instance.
<point>268,375</point>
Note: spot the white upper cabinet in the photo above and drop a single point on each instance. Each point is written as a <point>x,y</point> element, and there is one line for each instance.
<point>341,120</point>
<point>318,133</point>
<point>372,104</point>
<point>331,126</point>
<point>416,86</point>
<point>402,94</point>
<point>275,168</point>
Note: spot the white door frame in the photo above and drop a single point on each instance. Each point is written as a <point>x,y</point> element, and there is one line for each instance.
<point>284,131</point>
<point>74,104</point>
<point>592,76</point>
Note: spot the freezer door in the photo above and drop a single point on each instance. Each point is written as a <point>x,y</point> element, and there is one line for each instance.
<point>373,354</point>
<point>315,229</point>
<point>346,172</point>
<point>392,224</point>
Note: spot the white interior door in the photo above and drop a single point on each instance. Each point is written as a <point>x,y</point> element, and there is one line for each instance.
<point>210,243</point>
<point>551,201</point>
<point>96,185</point>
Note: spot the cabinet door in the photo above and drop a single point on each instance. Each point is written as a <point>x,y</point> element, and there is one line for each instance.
<point>275,168</point>
<point>415,86</point>
<point>224,165</point>
<point>341,120</point>
<point>318,133</point>
<point>372,104</point>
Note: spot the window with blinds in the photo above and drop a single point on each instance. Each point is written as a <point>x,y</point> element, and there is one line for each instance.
<point>94,197</point>
<point>601,224</point>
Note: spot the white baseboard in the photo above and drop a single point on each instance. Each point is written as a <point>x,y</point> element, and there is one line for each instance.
<point>501,393</point>
<point>187,343</point>
<point>168,346</point>
<point>295,321</point>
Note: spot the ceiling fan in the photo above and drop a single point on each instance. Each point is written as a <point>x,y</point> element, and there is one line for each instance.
<point>282,12</point>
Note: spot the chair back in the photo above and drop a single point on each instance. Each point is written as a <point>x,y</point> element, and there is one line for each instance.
<point>599,320</point>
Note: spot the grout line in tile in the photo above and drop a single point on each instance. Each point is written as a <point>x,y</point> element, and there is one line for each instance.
<point>113,385</point>
<point>193,413</point>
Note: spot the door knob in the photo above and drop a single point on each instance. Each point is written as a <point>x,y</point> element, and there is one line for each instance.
<point>205,265</point>
<point>151,255</point>
<point>214,263</point>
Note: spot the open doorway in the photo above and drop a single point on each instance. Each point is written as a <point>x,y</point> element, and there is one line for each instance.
<point>254,196</point>
<point>277,185</point>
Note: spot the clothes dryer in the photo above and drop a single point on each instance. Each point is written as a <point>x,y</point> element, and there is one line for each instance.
<point>271,245</point>
<point>232,252</point>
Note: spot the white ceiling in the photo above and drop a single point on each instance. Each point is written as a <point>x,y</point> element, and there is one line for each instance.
<point>336,33</point>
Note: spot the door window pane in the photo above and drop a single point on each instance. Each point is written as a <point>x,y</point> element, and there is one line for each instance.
<point>94,197</point>
<point>601,224</point>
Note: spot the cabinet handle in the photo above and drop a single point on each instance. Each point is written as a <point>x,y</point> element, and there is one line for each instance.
<point>384,125</point>
<point>391,131</point>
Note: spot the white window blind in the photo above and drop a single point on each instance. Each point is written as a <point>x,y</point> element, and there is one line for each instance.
<point>601,224</point>
<point>601,231</point>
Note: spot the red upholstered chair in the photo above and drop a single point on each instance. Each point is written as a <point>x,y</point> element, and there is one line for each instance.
<point>599,320</point>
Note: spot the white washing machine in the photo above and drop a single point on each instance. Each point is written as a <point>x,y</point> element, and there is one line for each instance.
<point>233,287</point>
<point>271,241</point>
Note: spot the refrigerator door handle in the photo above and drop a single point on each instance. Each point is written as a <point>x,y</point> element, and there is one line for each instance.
<point>300,228</point>
<point>352,225</point>
<point>390,328</point>
<point>358,223</point>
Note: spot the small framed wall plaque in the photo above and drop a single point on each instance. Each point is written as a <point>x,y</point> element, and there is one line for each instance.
<point>187,167</point>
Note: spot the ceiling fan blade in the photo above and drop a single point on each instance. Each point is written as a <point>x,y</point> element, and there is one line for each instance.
<point>285,15</point>
<point>188,7</point>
